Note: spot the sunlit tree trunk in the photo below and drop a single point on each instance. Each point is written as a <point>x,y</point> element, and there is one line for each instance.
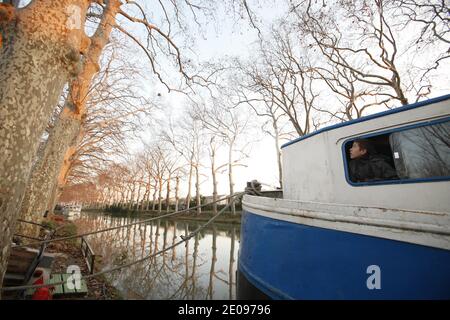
<point>67,129</point>
<point>65,171</point>
<point>37,56</point>
<point>45,172</point>
<point>53,198</point>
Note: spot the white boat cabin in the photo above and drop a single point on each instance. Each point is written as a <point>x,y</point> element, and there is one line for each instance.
<point>414,139</point>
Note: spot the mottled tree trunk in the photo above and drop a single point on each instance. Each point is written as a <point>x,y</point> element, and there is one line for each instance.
<point>66,168</point>
<point>40,49</point>
<point>63,174</point>
<point>52,202</point>
<point>67,129</point>
<point>45,173</point>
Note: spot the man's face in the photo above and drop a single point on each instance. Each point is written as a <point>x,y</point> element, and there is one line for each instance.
<point>356,151</point>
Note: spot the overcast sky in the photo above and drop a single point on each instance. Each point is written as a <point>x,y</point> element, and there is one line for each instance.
<point>226,38</point>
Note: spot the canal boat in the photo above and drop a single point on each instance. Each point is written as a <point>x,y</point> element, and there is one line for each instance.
<point>328,235</point>
<point>72,211</point>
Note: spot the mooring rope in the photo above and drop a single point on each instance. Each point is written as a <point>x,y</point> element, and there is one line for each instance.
<point>184,239</point>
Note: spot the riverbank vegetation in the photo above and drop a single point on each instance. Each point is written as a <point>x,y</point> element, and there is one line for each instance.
<point>206,214</point>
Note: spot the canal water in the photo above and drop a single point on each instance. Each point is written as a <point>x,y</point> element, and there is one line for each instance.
<point>202,268</point>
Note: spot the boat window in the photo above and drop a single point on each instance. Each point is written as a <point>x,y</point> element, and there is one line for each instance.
<point>370,159</point>
<point>421,152</point>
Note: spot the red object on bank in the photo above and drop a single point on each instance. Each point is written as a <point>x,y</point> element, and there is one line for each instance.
<point>44,293</point>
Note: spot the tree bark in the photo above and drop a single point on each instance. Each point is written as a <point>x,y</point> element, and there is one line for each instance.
<point>52,203</point>
<point>160,194</point>
<point>188,196</point>
<point>148,197</point>
<point>154,198</point>
<point>278,150</point>
<point>230,177</point>
<point>214,178</point>
<point>231,266</point>
<point>177,187</point>
<point>45,173</point>
<point>69,125</point>
<point>138,197</point>
<point>64,173</point>
<point>131,202</point>
<point>197,190</point>
<point>37,56</point>
<point>168,194</point>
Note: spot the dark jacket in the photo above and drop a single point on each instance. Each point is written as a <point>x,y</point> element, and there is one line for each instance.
<point>369,168</point>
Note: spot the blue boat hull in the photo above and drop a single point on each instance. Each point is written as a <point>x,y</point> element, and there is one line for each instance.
<point>285,260</point>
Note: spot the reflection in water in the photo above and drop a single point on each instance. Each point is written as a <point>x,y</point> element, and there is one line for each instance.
<point>202,268</point>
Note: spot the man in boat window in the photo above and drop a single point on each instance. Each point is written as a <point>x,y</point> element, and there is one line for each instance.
<point>367,165</point>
